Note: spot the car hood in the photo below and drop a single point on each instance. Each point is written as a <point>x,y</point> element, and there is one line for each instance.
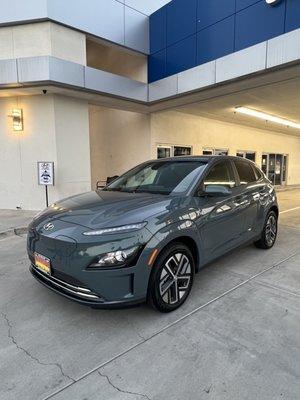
<point>102,209</point>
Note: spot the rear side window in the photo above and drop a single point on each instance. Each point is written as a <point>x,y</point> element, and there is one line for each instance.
<point>245,171</point>
<point>221,174</point>
<point>258,173</point>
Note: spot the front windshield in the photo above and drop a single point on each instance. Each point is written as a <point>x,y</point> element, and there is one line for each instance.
<point>163,177</point>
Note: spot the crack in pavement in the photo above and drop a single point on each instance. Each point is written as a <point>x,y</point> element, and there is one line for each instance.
<point>172,324</point>
<point>141,336</point>
<point>14,341</point>
<point>120,390</point>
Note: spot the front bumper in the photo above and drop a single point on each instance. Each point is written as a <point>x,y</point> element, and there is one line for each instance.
<point>81,295</point>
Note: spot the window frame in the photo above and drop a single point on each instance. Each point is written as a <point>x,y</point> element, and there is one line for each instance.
<point>200,186</point>
<point>172,149</point>
<point>213,151</point>
<point>286,157</point>
<point>248,162</point>
<point>245,152</point>
<point>257,171</point>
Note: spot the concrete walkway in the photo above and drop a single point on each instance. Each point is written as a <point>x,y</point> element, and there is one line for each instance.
<point>14,222</point>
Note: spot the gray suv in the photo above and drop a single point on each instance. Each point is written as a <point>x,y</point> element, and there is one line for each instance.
<point>146,234</point>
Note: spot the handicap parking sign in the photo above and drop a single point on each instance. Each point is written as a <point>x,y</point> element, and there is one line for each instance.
<point>46,173</point>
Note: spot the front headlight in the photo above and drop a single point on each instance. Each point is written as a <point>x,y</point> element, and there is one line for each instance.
<point>117,229</point>
<point>120,258</point>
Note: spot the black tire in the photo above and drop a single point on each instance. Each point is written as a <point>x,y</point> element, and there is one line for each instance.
<point>269,233</point>
<point>172,278</point>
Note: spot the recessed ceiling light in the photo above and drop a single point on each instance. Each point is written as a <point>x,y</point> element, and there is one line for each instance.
<point>267,117</point>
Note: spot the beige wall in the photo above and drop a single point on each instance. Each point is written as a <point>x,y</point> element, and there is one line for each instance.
<point>42,39</point>
<point>55,129</point>
<point>89,143</point>
<point>185,129</point>
<point>113,59</point>
<point>119,141</point>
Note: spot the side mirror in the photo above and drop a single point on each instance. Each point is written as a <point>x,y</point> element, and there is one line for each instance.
<point>216,190</point>
<point>110,179</point>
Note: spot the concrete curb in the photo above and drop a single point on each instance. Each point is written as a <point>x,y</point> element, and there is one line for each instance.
<point>22,230</point>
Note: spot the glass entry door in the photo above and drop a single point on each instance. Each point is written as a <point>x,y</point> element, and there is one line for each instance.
<point>275,168</point>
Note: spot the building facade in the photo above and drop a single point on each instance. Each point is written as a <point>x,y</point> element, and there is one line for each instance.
<point>97,87</point>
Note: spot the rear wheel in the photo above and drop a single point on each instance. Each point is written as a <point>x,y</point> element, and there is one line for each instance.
<point>269,233</point>
<point>172,278</point>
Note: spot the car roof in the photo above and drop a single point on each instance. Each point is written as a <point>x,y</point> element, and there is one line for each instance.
<point>201,158</point>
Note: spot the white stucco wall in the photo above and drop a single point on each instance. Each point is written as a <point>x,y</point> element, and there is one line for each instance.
<point>184,129</point>
<point>119,141</point>
<point>42,39</point>
<point>89,143</point>
<point>55,129</point>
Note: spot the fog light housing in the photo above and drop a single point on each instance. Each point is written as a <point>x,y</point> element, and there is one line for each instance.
<point>119,258</point>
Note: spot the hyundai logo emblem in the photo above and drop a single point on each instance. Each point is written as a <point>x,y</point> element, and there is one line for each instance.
<point>48,227</point>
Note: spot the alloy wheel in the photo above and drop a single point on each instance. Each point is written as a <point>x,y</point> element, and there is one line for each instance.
<point>271,230</point>
<point>175,278</point>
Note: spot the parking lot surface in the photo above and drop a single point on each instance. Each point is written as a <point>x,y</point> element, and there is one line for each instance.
<point>237,336</point>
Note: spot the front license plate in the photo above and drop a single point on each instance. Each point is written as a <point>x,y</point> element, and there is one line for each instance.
<point>42,263</point>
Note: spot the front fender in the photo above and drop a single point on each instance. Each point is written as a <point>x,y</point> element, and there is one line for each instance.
<point>176,231</point>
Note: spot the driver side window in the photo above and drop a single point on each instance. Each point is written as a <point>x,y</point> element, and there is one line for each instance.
<point>221,174</point>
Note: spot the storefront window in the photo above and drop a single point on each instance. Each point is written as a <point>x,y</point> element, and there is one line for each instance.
<point>249,155</point>
<point>163,152</point>
<point>173,151</point>
<point>215,152</point>
<point>182,151</point>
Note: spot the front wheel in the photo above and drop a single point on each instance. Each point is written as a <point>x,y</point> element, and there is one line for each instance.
<point>172,278</point>
<point>269,233</point>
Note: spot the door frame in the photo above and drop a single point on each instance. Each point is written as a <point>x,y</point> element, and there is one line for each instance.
<point>285,159</point>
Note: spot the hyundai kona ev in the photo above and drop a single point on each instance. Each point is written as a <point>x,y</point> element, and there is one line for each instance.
<point>146,234</point>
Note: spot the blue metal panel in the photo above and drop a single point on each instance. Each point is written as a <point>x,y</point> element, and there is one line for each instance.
<point>292,15</point>
<point>181,56</point>
<point>241,4</point>
<point>157,66</point>
<point>215,41</point>
<point>158,30</point>
<point>212,11</point>
<point>181,20</point>
<point>258,23</point>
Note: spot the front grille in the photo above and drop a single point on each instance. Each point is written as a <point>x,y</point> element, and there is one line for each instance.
<point>58,284</point>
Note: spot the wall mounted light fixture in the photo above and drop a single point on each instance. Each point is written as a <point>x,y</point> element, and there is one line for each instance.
<point>17,117</point>
<point>267,117</point>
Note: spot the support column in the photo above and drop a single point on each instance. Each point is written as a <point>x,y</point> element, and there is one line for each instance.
<point>55,129</point>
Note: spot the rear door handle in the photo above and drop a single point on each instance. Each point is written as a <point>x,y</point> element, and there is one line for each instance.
<point>256,196</point>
